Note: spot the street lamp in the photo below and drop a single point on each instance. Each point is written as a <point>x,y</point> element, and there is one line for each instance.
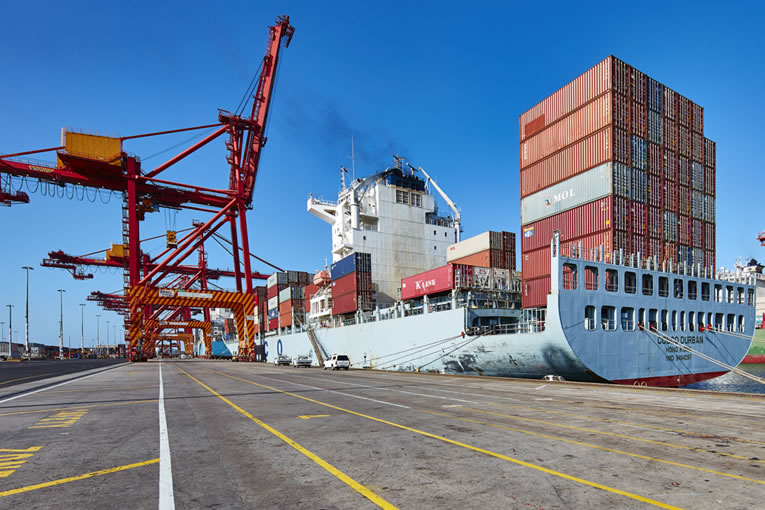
<point>10,329</point>
<point>82,330</point>
<point>114,329</point>
<point>26,328</point>
<point>107,338</point>
<point>61,326</point>
<point>98,331</point>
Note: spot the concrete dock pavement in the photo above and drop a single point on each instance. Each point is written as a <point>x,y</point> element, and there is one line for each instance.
<point>245,435</point>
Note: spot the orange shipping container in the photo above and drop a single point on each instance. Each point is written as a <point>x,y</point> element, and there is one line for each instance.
<point>583,89</point>
<point>574,159</point>
<point>580,124</point>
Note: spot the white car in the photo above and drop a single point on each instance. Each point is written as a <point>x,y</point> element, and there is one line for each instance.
<point>282,359</point>
<point>338,361</point>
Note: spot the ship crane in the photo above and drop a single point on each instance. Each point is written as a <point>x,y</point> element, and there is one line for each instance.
<point>450,203</point>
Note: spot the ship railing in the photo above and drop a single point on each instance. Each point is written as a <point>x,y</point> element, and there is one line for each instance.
<point>507,329</point>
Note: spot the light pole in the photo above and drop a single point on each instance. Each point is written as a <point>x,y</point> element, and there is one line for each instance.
<point>61,326</point>
<point>107,338</point>
<point>114,330</point>
<point>26,328</point>
<point>98,330</point>
<point>10,329</point>
<point>82,330</point>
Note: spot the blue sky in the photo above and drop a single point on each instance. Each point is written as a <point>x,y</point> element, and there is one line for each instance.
<point>442,83</point>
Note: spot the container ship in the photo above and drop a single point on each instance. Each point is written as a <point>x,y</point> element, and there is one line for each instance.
<point>618,281</point>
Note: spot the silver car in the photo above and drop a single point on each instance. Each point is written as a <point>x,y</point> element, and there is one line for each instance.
<point>302,361</point>
<point>282,360</point>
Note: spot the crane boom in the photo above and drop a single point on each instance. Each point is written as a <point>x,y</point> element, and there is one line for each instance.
<point>449,202</point>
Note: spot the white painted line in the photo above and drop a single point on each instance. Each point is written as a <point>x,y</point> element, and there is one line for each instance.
<point>166,497</point>
<point>540,387</point>
<point>436,396</point>
<point>57,385</point>
<point>338,392</point>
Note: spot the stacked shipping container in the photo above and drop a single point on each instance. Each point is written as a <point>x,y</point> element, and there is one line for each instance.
<point>490,249</point>
<point>456,276</point>
<point>618,160</point>
<point>285,294</point>
<point>352,287</point>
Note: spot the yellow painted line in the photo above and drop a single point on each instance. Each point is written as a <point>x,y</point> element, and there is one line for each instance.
<point>12,459</point>
<point>105,388</point>
<point>61,419</point>
<point>611,434</point>
<point>361,489</point>
<point>589,445</point>
<point>684,433</point>
<point>470,447</point>
<point>37,411</point>
<point>61,481</point>
<point>29,377</point>
<point>309,416</point>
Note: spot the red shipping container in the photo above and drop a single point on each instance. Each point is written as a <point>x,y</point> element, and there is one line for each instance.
<point>583,122</point>
<point>669,199</point>
<point>655,249</point>
<point>275,290</point>
<point>697,147</point>
<point>621,213</point>
<point>684,200</point>
<point>697,118</point>
<point>273,324</point>
<point>655,189</point>
<point>655,220</point>
<point>709,259</point>
<point>574,159</point>
<point>639,245</point>
<point>683,230</point>
<point>534,292</point>
<point>430,282</point>
<point>638,83</point>
<point>683,141</point>
<point>709,180</point>
<point>710,152</point>
<point>351,284</point>
<point>669,134</point>
<point>347,303</point>
<point>583,89</point>
<point>669,106</point>
<point>574,223</point>
<point>654,159</point>
<point>638,120</point>
<point>638,220</point>
<point>285,319</point>
<point>622,109</point>
<point>622,241</point>
<point>709,236</point>
<point>697,233</point>
<point>536,264</point>
<point>670,165</point>
<point>683,110</point>
<point>670,252</point>
<point>622,146</point>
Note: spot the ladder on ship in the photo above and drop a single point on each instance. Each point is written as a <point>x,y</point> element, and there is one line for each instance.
<point>321,354</point>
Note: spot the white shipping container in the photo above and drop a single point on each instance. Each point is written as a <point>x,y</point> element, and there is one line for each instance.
<point>273,303</point>
<point>467,247</point>
<point>275,279</point>
<point>291,293</point>
<point>569,194</point>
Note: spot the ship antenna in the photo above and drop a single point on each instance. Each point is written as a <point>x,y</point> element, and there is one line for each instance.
<point>353,159</point>
<point>342,175</point>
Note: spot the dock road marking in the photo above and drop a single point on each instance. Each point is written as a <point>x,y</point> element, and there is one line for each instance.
<point>11,460</point>
<point>60,420</point>
<point>166,495</point>
<point>92,474</point>
<point>469,447</point>
<point>309,416</point>
<point>62,384</point>
<point>361,489</point>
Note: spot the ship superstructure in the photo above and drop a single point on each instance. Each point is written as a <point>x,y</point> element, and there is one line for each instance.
<point>393,216</point>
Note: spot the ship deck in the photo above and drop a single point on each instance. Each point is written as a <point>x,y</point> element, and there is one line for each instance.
<point>244,435</point>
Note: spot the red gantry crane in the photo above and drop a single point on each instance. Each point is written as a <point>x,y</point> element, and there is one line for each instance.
<point>90,161</point>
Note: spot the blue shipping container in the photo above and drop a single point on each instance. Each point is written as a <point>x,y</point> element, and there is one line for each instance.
<point>219,348</point>
<point>360,262</point>
<point>273,314</point>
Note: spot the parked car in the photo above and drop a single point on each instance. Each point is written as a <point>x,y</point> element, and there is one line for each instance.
<point>302,361</point>
<point>282,359</point>
<point>338,361</point>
